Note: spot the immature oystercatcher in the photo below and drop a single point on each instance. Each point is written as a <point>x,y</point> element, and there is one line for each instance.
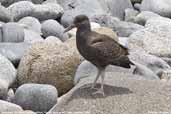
<point>99,49</point>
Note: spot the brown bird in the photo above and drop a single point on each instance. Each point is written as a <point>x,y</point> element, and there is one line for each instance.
<point>99,49</point>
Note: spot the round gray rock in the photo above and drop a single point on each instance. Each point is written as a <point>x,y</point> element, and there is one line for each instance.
<point>77,7</point>
<point>125,29</point>
<point>116,7</point>
<point>130,14</point>
<point>53,28</point>
<point>161,7</point>
<point>47,11</point>
<point>155,38</point>
<point>32,37</point>
<point>7,76</point>
<point>14,51</point>
<point>21,9</point>
<point>31,23</point>
<point>12,32</point>
<point>4,14</point>
<point>36,97</point>
<point>142,17</point>
<point>7,71</point>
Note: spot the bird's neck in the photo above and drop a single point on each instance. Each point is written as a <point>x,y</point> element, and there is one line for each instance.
<point>84,28</point>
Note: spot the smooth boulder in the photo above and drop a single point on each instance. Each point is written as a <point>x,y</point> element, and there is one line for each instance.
<point>5,15</point>
<point>12,32</point>
<point>123,94</point>
<point>53,28</point>
<point>7,76</point>
<point>21,9</point>
<point>49,62</point>
<point>161,7</point>
<point>31,23</point>
<point>7,107</point>
<point>14,51</point>
<point>47,11</point>
<point>77,7</point>
<point>32,36</point>
<point>36,97</point>
<point>154,39</point>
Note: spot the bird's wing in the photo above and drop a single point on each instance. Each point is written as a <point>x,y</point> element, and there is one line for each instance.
<point>106,48</point>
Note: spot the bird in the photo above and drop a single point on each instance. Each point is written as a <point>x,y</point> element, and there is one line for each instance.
<point>99,49</point>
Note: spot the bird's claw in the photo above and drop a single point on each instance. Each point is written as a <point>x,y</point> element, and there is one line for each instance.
<point>99,91</point>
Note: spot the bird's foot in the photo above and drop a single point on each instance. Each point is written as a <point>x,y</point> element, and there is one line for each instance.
<point>99,91</point>
<point>93,87</point>
<point>86,86</point>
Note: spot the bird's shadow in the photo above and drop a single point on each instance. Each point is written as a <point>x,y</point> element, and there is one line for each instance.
<point>87,92</point>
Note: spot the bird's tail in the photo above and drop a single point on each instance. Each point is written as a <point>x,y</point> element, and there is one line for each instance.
<point>124,62</point>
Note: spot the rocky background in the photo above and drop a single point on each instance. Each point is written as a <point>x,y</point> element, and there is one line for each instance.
<point>42,71</point>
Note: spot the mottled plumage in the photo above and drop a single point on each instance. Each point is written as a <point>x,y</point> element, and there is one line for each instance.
<point>99,49</point>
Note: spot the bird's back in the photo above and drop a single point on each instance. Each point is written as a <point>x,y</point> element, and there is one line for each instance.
<point>102,50</point>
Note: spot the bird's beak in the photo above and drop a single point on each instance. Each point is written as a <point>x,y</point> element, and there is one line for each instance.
<point>69,28</point>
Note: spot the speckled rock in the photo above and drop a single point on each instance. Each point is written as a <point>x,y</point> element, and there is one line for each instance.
<point>31,23</point>
<point>49,58</point>
<point>12,32</point>
<point>36,97</point>
<point>53,28</point>
<point>155,39</point>
<point>107,31</point>
<point>21,9</point>
<point>9,107</point>
<point>122,96</point>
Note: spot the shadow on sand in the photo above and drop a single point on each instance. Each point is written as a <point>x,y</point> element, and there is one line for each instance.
<point>86,92</point>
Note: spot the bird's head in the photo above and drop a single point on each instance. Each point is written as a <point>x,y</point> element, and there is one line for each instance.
<point>78,22</point>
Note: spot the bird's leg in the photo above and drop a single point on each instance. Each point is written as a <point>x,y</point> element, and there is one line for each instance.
<point>101,90</point>
<point>94,82</point>
<point>97,77</point>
